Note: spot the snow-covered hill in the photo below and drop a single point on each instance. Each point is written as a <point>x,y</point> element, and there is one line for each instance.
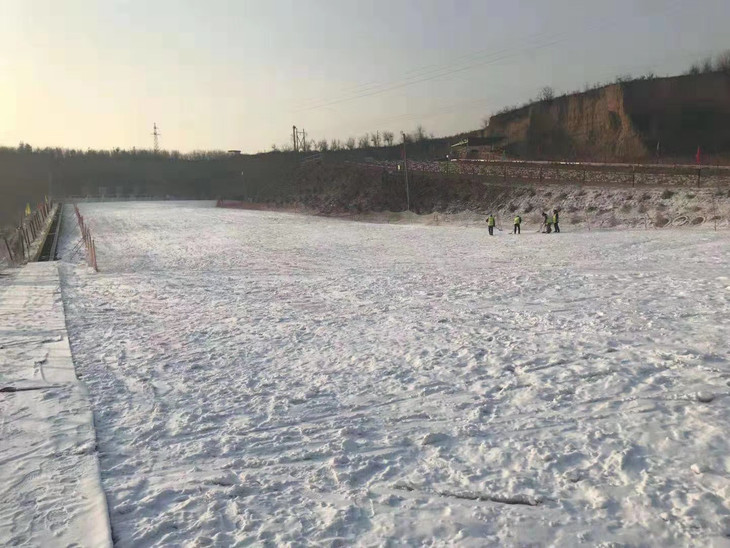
<point>271,377</point>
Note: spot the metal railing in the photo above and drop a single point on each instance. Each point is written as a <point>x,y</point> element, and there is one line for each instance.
<point>18,245</point>
<point>582,173</point>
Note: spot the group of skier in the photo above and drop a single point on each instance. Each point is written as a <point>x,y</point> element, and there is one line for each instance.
<point>549,223</point>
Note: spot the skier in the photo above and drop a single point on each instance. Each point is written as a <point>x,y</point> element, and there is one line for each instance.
<point>490,224</point>
<point>555,221</point>
<point>546,223</point>
<point>518,222</point>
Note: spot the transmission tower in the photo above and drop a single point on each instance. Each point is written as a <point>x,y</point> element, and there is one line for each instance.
<point>156,134</point>
<point>299,139</point>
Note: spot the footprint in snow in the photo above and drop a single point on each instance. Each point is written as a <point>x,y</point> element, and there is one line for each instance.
<point>705,397</point>
<point>433,438</point>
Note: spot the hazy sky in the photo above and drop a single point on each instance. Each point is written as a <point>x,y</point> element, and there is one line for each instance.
<point>237,74</point>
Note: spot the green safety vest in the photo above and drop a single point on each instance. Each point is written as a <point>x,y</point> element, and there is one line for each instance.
<point>555,218</point>
<point>490,221</point>
<point>518,220</point>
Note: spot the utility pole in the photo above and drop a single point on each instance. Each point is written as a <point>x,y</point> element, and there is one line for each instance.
<point>405,168</point>
<point>294,140</point>
<point>156,135</point>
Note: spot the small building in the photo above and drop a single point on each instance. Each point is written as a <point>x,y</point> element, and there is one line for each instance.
<point>479,148</point>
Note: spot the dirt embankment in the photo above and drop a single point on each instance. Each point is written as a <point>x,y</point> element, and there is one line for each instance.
<point>377,194</point>
<point>630,121</point>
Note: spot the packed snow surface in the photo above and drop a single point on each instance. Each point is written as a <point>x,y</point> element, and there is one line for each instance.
<point>262,377</point>
<point>50,492</point>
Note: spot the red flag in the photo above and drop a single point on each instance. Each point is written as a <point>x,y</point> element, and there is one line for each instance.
<point>699,155</point>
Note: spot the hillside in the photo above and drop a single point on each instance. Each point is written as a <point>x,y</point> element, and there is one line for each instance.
<point>374,193</point>
<point>627,121</point>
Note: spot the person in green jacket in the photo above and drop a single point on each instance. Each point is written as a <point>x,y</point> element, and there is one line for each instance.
<point>518,222</point>
<point>547,223</point>
<point>490,224</point>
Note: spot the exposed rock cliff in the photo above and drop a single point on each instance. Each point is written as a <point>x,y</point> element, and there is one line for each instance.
<point>624,121</point>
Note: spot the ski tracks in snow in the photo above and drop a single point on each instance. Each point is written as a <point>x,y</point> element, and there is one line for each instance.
<point>265,377</point>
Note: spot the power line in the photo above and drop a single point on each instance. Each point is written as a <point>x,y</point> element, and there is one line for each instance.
<point>483,60</point>
<point>412,73</point>
<point>418,78</point>
<point>452,107</point>
<point>440,111</point>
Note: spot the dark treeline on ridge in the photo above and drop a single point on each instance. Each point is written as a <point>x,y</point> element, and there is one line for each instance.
<point>29,174</point>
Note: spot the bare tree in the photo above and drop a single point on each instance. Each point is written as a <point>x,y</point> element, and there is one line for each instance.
<point>722,62</point>
<point>388,138</point>
<point>335,144</point>
<point>322,145</point>
<point>350,143</point>
<point>364,141</point>
<point>546,94</point>
<point>375,138</point>
<point>694,69</point>
<point>707,65</point>
<point>420,134</point>
<point>485,122</point>
<point>274,148</point>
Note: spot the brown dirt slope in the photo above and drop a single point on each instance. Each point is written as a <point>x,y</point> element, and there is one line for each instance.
<point>625,121</point>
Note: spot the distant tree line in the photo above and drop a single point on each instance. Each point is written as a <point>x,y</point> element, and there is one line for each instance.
<point>720,63</point>
<point>366,141</point>
<point>28,173</point>
<point>133,153</point>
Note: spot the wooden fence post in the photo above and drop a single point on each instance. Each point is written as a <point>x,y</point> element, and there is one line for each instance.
<point>22,244</point>
<point>10,252</point>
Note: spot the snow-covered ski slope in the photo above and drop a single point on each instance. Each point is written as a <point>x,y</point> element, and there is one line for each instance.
<point>262,377</point>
